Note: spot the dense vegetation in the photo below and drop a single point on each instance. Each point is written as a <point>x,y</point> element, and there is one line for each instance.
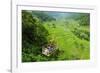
<point>69,34</point>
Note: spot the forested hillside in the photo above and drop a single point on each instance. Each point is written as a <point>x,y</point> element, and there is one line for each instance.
<point>55,36</point>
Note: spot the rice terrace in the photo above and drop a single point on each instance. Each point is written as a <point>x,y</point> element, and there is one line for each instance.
<point>55,36</point>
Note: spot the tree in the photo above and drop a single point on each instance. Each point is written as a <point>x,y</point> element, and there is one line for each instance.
<point>43,16</point>
<point>33,35</point>
<point>82,18</point>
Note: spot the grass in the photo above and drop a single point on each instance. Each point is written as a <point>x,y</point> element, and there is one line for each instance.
<point>72,46</point>
<point>62,36</point>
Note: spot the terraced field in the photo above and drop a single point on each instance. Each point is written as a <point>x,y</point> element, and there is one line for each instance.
<point>55,36</point>
<point>74,48</point>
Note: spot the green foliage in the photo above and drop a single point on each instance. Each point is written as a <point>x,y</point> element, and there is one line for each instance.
<point>32,31</point>
<point>33,34</point>
<point>82,33</point>
<point>43,16</point>
<point>71,37</point>
<point>82,18</point>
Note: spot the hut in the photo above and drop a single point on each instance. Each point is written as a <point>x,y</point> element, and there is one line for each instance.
<point>48,50</point>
